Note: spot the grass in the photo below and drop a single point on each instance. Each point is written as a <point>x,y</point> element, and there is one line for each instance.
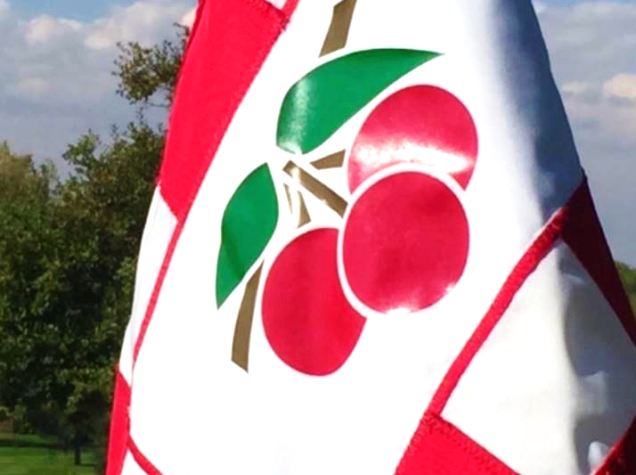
<point>34,455</point>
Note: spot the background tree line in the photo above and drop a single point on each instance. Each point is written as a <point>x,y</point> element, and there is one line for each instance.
<point>68,250</point>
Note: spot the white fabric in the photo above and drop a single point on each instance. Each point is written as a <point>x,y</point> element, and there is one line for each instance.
<point>131,467</point>
<point>555,381</point>
<point>125,365</point>
<point>158,231</point>
<point>277,3</point>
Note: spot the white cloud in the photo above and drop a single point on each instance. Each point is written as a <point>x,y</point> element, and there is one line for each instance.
<point>589,39</point>
<point>592,46</point>
<point>32,87</point>
<point>46,28</point>
<point>577,88</point>
<point>621,86</point>
<point>141,21</point>
<point>188,18</point>
<point>56,73</point>
<point>539,6</point>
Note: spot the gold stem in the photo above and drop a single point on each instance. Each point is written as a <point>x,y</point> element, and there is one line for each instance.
<point>335,160</point>
<point>303,215</point>
<point>336,39</point>
<point>289,197</point>
<point>340,25</point>
<point>243,329</point>
<point>317,188</point>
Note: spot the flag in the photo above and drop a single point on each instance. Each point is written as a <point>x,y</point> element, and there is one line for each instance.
<point>372,250</point>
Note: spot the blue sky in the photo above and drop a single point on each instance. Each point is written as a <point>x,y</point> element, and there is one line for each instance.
<point>81,10</point>
<point>90,9</point>
<point>57,57</point>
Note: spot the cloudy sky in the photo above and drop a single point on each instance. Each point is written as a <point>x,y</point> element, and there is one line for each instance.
<point>56,59</point>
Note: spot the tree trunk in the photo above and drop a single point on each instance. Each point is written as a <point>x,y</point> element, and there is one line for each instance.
<point>77,451</point>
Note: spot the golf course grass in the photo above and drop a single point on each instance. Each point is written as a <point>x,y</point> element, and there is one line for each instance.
<point>33,455</point>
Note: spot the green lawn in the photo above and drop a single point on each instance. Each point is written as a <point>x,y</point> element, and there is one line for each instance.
<point>32,455</point>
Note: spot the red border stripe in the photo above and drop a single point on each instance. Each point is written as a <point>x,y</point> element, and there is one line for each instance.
<point>445,450</point>
<point>416,454</point>
<point>622,458</point>
<point>156,291</point>
<point>584,235</point>
<point>119,426</point>
<point>212,84</point>
<point>289,8</point>
<point>227,49</point>
<point>232,21</point>
<point>524,268</point>
<point>143,462</point>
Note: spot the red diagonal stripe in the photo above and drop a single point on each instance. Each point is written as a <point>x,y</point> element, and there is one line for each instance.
<point>119,427</point>
<point>526,266</point>
<point>229,44</point>
<point>441,448</point>
<point>141,459</point>
<point>622,459</point>
<point>583,233</point>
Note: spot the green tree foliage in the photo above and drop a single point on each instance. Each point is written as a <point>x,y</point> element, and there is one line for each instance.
<point>628,276</point>
<point>27,247</point>
<point>68,256</point>
<point>68,252</point>
<point>150,74</point>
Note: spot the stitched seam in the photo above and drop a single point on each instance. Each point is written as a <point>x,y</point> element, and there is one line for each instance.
<point>433,424</point>
<point>243,87</point>
<point>528,263</point>
<point>143,462</point>
<point>186,53</point>
<point>156,292</point>
<point>289,8</point>
<point>484,458</point>
<point>233,104</point>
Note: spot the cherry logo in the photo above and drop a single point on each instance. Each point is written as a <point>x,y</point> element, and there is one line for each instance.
<point>403,241</point>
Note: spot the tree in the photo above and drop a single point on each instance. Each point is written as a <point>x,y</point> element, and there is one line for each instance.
<point>150,74</point>
<point>628,276</point>
<point>67,259</point>
<point>103,207</point>
<point>28,242</point>
<point>68,255</point>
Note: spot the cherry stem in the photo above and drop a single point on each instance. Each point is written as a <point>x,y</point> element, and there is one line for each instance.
<point>243,329</point>
<point>317,188</point>
<point>336,39</point>
<point>340,25</point>
<point>335,160</point>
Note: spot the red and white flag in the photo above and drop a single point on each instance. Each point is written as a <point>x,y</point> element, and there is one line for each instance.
<point>372,250</point>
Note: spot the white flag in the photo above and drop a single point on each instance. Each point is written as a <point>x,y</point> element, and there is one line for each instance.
<point>372,250</point>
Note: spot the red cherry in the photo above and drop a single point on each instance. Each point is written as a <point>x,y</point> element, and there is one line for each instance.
<point>405,243</point>
<point>419,124</point>
<point>308,321</point>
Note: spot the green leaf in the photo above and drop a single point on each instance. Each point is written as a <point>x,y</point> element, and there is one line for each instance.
<point>322,101</point>
<point>248,224</point>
